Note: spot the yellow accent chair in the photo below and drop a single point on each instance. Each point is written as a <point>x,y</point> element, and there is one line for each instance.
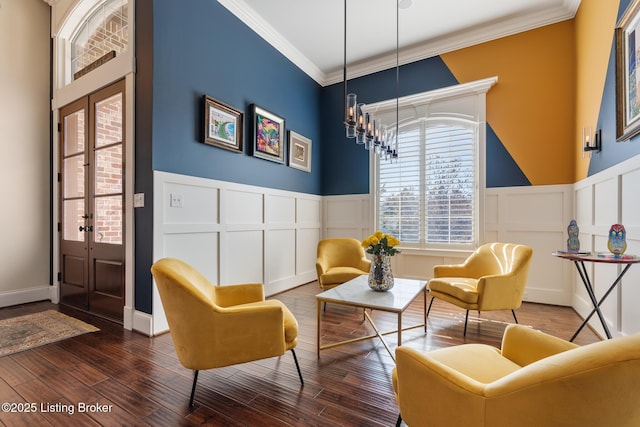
<point>535,380</point>
<point>215,326</point>
<point>492,278</point>
<point>340,260</point>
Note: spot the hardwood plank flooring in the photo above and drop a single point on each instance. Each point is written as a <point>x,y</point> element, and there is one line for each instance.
<point>138,381</point>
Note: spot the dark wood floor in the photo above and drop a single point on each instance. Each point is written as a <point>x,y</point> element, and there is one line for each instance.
<point>143,384</point>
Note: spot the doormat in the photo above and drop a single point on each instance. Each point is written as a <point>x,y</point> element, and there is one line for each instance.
<point>34,330</point>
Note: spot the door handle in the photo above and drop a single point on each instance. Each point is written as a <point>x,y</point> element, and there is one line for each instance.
<point>86,229</point>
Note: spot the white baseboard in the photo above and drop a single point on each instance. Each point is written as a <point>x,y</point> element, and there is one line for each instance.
<point>142,322</point>
<point>24,296</point>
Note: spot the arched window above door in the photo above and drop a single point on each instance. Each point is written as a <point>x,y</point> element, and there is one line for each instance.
<point>93,32</point>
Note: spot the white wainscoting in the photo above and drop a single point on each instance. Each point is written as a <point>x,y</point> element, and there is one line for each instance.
<point>536,216</point>
<point>235,233</point>
<point>601,200</point>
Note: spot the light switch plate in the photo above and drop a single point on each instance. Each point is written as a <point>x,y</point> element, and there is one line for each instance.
<point>138,200</point>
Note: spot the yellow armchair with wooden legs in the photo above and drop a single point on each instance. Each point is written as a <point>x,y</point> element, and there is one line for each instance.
<point>340,260</point>
<point>492,278</point>
<point>534,380</point>
<point>215,326</point>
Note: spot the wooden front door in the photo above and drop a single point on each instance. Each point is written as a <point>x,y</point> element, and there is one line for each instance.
<point>92,206</point>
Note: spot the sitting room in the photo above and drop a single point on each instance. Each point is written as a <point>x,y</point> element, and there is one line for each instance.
<point>231,214</point>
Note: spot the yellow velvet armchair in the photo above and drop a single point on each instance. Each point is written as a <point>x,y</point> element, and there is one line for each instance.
<point>215,326</point>
<point>535,380</point>
<point>340,260</point>
<point>492,278</point>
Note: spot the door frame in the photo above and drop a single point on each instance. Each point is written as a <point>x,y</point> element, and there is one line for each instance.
<point>62,98</point>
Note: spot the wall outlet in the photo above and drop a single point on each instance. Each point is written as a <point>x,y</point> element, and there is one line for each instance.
<point>176,200</point>
<point>138,200</point>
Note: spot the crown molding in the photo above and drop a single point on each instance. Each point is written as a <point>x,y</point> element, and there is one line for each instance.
<point>273,37</point>
<point>451,42</point>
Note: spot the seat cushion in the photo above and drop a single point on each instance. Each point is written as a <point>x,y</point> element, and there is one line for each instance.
<point>481,362</point>
<point>462,288</point>
<point>338,275</point>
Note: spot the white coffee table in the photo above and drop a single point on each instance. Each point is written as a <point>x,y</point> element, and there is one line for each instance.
<point>356,293</point>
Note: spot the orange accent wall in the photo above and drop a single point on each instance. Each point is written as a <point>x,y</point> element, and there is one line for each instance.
<point>595,29</point>
<point>532,107</point>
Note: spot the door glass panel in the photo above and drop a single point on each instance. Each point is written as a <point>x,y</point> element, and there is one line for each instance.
<point>74,132</point>
<point>73,212</point>
<point>108,170</point>
<point>108,220</point>
<point>109,121</point>
<point>74,176</point>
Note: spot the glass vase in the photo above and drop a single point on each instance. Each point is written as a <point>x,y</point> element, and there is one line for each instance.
<point>380,277</point>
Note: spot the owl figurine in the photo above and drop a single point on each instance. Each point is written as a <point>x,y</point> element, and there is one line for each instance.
<point>617,243</point>
<point>573,242</point>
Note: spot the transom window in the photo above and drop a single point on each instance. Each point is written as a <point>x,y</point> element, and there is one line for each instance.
<point>105,30</point>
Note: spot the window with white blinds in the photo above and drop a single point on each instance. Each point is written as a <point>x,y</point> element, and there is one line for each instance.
<point>429,196</point>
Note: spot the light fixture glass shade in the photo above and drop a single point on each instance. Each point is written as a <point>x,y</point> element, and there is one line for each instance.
<point>350,115</point>
<point>360,130</point>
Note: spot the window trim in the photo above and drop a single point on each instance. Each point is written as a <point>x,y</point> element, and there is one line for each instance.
<point>415,106</point>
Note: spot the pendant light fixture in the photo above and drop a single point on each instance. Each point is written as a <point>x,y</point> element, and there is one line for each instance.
<point>361,126</point>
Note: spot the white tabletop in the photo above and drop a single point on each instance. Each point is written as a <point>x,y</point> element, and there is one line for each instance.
<point>358,293</point>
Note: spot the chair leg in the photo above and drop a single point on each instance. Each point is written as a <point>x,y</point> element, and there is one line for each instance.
<point>295,359</point>
<point>466,319</point>
<point>429,309</point>
<point>514,315</point>
<point>193,387</point>
<point>399,422</point>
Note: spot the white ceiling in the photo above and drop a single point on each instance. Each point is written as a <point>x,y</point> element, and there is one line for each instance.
<point>311,32</point>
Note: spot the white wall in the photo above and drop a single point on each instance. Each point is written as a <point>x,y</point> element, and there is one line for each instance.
<point>24,119</point>
<point>601,200</point>
<point>535,216</point>
<point>234,233</point>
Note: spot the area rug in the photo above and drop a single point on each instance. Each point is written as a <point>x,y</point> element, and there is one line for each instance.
<point>34,330</point>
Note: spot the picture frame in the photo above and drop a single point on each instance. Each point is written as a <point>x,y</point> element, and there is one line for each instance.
<point>628,73</point>
<point>223,125</point>
<point>299,151</point>
<point>268,135</point>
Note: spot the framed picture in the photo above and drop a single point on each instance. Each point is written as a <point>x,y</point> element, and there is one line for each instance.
<point>268,135</point>
<point>222,125</point>
<point>628,73</point>
<point>299,151</point>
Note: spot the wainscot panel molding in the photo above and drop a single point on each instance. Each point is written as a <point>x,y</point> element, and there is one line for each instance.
<point>536,216</point>
<point>234,233</point>
<point>603,199</point>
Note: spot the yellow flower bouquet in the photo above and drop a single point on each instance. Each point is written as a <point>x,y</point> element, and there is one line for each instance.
<point>380,243</point>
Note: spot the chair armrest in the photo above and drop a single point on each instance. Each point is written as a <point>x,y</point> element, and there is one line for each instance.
<point>456,270</point>
<point>365,265</point>
<point>425,383</point>
<point>523,345</point>
<point>230,295</point>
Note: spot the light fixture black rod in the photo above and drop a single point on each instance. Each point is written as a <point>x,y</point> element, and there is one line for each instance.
<point>397,73</point>
<point>344,70</point>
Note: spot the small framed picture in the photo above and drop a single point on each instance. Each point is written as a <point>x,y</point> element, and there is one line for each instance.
<point>222,125</point>
<point>299,152</point>
<point>268,135</point>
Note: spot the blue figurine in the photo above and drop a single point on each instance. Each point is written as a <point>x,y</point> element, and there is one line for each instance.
<point>573,243</point>
<point>617,243</point>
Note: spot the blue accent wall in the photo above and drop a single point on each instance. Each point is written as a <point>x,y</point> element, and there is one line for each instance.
<point>201,48</point>
<point>500,168</point>
<point>612,152</point>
